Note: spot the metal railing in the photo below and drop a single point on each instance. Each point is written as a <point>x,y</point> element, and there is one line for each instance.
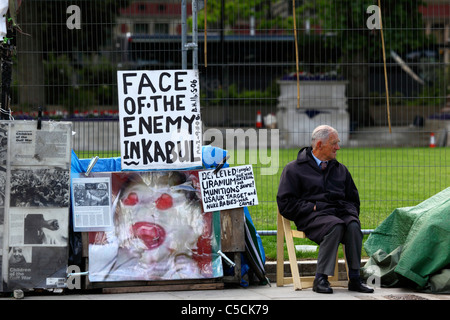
<point>247,60</point>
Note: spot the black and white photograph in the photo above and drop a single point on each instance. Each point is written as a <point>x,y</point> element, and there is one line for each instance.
<point>2,187</point>
<point>91,194</point>
<point>19,266</point>
<point>3,160</point>
<point>38,230</point>
<point>38,227</point>
<point>39,187</point>
<point>19,257</point>
<point>2,230</point>
<point>3,146</point>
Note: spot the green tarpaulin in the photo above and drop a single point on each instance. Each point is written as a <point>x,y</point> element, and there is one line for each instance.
<point>413,242</point>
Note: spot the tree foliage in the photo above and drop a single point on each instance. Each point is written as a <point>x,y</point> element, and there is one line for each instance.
<point>346,19</point>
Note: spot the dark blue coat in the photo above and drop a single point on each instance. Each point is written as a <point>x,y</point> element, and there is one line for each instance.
<point>304,185</point>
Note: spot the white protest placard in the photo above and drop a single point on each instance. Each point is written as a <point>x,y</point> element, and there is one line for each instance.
<point>159,114</point>
<point>228,188</point>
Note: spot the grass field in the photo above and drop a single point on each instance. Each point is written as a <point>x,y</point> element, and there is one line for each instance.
<point>387,178</point>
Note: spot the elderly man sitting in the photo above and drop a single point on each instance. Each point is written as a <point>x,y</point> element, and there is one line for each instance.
<point>319,195</point>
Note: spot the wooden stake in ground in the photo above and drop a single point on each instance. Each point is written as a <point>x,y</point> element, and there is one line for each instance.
<point>385,72</point>
<point>204,47</point>
<point>296,54</point>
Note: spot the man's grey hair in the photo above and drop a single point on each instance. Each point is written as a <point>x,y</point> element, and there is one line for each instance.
<point>321,133</point>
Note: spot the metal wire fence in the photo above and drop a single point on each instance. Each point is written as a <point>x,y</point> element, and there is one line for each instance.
<point>378,72</point>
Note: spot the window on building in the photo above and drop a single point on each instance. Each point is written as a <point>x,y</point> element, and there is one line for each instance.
<point>141,28</point>
<point>161,28</point>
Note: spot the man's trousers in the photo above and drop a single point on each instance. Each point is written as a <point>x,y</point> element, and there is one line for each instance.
<point>351,236</point>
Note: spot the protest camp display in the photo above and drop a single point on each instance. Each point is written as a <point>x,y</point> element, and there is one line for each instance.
<point>34,203</point>
<point>159,114</point>
<point>149,220</point>
<point>155,228</point>
<point>145,221</point>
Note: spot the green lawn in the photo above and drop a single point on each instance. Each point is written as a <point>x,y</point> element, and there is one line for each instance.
<point>387,178</point>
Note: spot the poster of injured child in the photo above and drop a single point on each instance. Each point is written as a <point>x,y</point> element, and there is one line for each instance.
<point>160,230</point>
<point>34,202</point>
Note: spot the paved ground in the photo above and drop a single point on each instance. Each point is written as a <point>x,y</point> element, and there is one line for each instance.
<point>241,294</point>
<point>261,302</point>
<point>237,293</point>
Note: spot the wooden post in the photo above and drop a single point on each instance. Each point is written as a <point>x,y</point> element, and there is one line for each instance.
<point>233,238</point>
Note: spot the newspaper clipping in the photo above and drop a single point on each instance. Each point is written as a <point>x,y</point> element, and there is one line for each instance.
<point>3,159</point>
<point>34,203</point>
<point>91,203</point>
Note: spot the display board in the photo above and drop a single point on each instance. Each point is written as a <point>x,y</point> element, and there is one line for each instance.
<point>34,203</point>
<point>160,231</point>
<point>159,115</point>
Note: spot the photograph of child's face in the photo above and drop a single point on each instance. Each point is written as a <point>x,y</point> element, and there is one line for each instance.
<point>159,223</point>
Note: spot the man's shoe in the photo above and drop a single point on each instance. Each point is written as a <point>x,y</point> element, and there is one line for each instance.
<point>321,285</point>
<point>357,285</point>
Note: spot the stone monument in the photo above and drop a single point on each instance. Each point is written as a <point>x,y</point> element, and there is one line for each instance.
<point>321,102</point>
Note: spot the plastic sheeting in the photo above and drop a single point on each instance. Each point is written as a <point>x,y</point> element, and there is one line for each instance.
<point>256,257</point>
<point>412,243</point>
<point>211,157</point>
